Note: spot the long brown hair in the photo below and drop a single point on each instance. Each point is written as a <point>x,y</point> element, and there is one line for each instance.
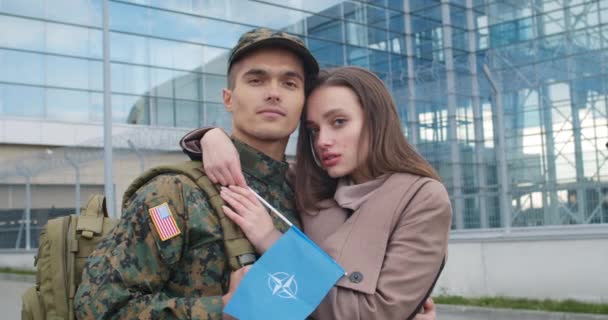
<point>388,152</point>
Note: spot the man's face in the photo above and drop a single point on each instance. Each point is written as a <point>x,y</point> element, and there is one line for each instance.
<point>268,95</point>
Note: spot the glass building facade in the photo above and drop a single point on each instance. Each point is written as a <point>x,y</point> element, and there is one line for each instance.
<point>507,99</point>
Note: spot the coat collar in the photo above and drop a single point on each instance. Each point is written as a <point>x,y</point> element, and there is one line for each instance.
<point>359,243</point>
<point>351,196</point>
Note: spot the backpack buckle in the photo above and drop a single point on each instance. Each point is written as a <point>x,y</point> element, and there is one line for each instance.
<point>246,259</point>
<point>87,234</point>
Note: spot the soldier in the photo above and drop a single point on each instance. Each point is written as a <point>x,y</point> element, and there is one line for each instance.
<point>166,258</point>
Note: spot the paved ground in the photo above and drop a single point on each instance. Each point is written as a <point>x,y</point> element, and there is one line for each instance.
<point>12,288</point>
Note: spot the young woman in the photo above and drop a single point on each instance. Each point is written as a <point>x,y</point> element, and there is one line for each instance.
<point>365,196</point>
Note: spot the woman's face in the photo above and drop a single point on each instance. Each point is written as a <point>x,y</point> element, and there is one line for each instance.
<point>335,121</point>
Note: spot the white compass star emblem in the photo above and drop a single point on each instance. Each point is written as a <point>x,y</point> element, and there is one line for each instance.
<point>283,285</point>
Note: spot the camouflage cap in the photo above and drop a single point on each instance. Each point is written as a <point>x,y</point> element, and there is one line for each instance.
<point>262,37</point>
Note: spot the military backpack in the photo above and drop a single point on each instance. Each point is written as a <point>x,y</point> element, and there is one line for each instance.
<point>66,242</point>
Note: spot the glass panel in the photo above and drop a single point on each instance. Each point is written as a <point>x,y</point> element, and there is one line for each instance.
<point>30,37</point>
<point>430,11</point>
<point>356,34</point>
<point>21,67</point>
<point>187,114</point>
<point>396,22</point>
<point>378,62</point>
<point>160,53</point>
<point>421,24</point>
<point>396,4</point>
<point>376,17</point>
<point>217,116</point>
<point>380,3</point>
<point>228,36</point>
<point>165,112</point>
<point>187,56</point>
<point>249,12</point>
<point>327,53</point>
<point>361,35</point>
<point>215,60</point>
<point>377,39</point>
<point>67,72</point>
<point>21,101</point>
<point>458,17</point>
<point>353,11</point>
<point>128,48</point>
<point>173,54</point>
<point>124,17</point>
<point>89,12</point>
<point>213,88</point>
<point>75,41</point>
<point>161,82</point>
<point>67,105</point>
<point>324,28</point>
<point>130,79</point>
<point>397,43</point>
<point>96,107</point>
<point>96,75</point>
<point>188,86</point>
<point>31,8</point>
<point>124,107</point>
<point>553,22</point>
<point>312,6</point>
<point>140,112</point>
<point>357,56</point>
<point>176,5</point>
<point>176,26</point>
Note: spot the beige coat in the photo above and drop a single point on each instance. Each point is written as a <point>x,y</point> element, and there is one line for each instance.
<point>392,248</point>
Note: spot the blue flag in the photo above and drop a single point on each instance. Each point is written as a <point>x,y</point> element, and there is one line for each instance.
<point>287,282</point>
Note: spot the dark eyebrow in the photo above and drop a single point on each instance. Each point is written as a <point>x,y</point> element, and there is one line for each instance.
<point>255,72</point>
<point>332,112</point>
<point>293,74</point>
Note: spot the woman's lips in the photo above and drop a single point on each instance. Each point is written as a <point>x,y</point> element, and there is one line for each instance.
<point>331,159</point>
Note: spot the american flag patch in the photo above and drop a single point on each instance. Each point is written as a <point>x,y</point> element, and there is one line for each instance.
<point>163,221</point>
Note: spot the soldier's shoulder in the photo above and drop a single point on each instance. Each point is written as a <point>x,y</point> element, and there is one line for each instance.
<point>167,187</point>
<point>169,181</point>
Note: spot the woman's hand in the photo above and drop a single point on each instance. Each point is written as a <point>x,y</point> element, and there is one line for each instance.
<point>249,214</point>
<point>221,159</point>
<point>429,311</point>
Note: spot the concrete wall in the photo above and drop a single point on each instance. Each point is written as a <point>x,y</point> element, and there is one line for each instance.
<point>23,260</point>
<point>562,266</point>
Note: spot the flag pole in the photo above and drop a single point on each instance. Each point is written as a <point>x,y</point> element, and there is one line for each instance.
<point>275,211</point>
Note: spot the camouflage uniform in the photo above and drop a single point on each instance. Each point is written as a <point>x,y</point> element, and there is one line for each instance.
<point>133,274</point>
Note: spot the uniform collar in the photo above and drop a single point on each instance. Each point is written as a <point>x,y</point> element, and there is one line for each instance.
<point>259,165</point>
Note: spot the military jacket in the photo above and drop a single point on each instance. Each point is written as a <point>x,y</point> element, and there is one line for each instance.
<point>134,274</point>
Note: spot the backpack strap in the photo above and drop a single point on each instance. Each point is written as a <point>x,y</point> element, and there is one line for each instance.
<point>90,221</point>
<point>72,243</point>
<point>57,229</point>
<point>239,250</point>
